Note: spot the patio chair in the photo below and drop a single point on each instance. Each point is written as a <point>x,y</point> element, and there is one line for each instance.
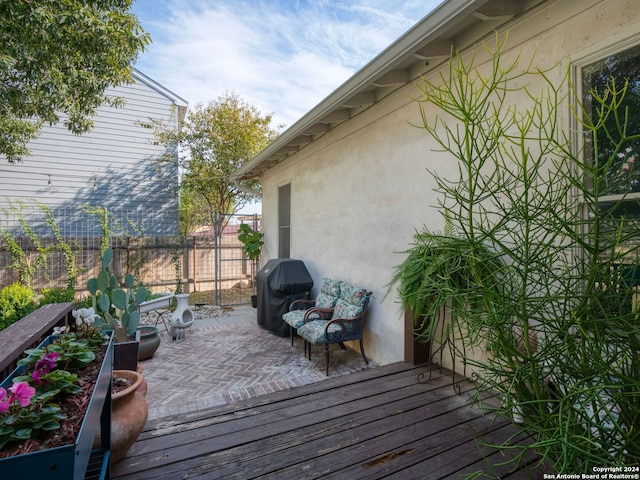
<point>301,311</point>
<point>346,323</point>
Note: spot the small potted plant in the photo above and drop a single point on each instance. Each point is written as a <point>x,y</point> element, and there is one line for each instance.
<point>116,308</point>
<point>251,245</point>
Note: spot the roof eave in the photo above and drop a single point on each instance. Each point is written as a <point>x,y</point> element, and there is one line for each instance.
<point>430,29</point>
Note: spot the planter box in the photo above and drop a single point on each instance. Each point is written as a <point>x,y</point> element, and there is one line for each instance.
<point>125,354</point>
<point>79,459</point>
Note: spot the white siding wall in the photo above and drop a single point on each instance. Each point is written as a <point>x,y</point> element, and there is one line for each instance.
<point>359,193</point>
<point>111,166</point>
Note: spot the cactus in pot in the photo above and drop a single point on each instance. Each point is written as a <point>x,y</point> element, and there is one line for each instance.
<point>116,307</point>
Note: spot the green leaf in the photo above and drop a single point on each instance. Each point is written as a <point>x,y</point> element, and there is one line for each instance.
<point>129,281</point>
<point>103,280</point>
<point>92,286</point>
<point>141,295</point>
<point>119,299</point>
<point>22,434</point>
<point>104,302</point>
<point>51,408</point>
<point>50,425</point>
<point>106,258</point>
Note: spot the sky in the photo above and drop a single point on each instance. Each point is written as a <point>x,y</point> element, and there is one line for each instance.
<point>281,56</point>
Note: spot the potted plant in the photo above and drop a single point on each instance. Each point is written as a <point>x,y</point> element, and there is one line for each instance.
<point>116,308</point>
<point>68,377</point>
<point>251,245</point>
<point>448,271</point>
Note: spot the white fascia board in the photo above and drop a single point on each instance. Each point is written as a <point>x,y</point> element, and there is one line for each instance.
<point>141,77</point>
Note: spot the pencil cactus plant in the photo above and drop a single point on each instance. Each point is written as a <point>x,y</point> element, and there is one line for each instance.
<point>116,307</point>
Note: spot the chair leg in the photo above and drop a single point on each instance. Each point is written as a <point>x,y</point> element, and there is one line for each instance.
<point>291,334</point>
<point>362,352</point>
<point>326,358</point>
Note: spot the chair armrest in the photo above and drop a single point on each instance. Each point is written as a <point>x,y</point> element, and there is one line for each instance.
<point>301,304</point>
<point>346,330</point>
<point>322,312</point>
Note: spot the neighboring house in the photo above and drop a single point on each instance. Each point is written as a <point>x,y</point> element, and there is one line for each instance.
<point>112,166</point>
<point>346,187</point>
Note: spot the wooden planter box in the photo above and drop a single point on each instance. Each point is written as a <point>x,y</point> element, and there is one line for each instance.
<point>79,460</point>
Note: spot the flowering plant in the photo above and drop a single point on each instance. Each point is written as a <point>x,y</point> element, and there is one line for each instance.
<point>30,406</point>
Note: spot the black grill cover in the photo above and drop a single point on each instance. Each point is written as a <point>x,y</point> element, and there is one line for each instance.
<point>279,283</point>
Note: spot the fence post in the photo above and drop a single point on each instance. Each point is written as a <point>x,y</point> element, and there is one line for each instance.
<point>217,227</point>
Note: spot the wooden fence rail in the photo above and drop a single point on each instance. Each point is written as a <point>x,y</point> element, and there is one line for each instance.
<point>29,332</point>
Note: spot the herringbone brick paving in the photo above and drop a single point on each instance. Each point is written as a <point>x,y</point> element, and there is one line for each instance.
<point>232,358</point>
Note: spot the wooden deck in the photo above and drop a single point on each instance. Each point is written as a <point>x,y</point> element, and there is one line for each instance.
<point>378,423</point>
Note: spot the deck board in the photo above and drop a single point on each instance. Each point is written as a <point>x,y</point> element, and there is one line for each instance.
<point>378,423</point>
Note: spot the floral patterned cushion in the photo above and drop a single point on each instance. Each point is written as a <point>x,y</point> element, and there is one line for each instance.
<point>326,301</point>
<point>294,318</point>
<point>352,302</point>
<point>353,295</point>
<point>313,332</point>
<point>330,287</point>
<point>344,309</point>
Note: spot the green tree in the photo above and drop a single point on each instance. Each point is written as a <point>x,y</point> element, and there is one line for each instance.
<point>215,140</point>
<point>192,211</point>
<point>56,60</point>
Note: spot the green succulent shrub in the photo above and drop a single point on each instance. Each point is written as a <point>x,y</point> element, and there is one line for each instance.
<point>116,306</point>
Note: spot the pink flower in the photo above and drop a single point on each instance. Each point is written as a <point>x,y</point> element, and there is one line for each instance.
<point>4,402</point>
<point>22,392</point>
<point>44,366</point>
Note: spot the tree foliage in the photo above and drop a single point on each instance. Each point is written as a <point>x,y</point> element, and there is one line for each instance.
<point>215,140</point>
<point>56,60</point>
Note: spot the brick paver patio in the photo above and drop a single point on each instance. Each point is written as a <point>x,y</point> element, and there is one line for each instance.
<point>231,358</point>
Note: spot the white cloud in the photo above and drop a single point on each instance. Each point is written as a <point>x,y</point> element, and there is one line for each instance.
<point>281,56</point>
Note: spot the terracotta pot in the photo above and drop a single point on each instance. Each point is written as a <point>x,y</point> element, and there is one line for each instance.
<point>144,386</point>
<point>128,415</point>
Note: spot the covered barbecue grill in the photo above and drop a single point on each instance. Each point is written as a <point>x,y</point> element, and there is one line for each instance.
<point>279,283</point>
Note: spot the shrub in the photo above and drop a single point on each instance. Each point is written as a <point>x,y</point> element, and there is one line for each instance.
<point>16,301</point>
<point>56,295</point>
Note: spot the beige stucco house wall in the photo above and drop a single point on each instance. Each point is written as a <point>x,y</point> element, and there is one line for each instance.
<point>360,187</point>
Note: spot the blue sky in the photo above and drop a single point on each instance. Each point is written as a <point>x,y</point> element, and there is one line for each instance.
<point>281,56</point>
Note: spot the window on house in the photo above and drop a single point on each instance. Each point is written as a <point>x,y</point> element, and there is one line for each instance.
<point>623,173</point>
<point>618,154</point>
<point>284,221</point>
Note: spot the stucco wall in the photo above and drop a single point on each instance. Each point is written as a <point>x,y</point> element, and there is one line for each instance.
<point>359,193</point>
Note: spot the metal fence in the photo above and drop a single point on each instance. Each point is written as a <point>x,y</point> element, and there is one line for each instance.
<point>210,265</point>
